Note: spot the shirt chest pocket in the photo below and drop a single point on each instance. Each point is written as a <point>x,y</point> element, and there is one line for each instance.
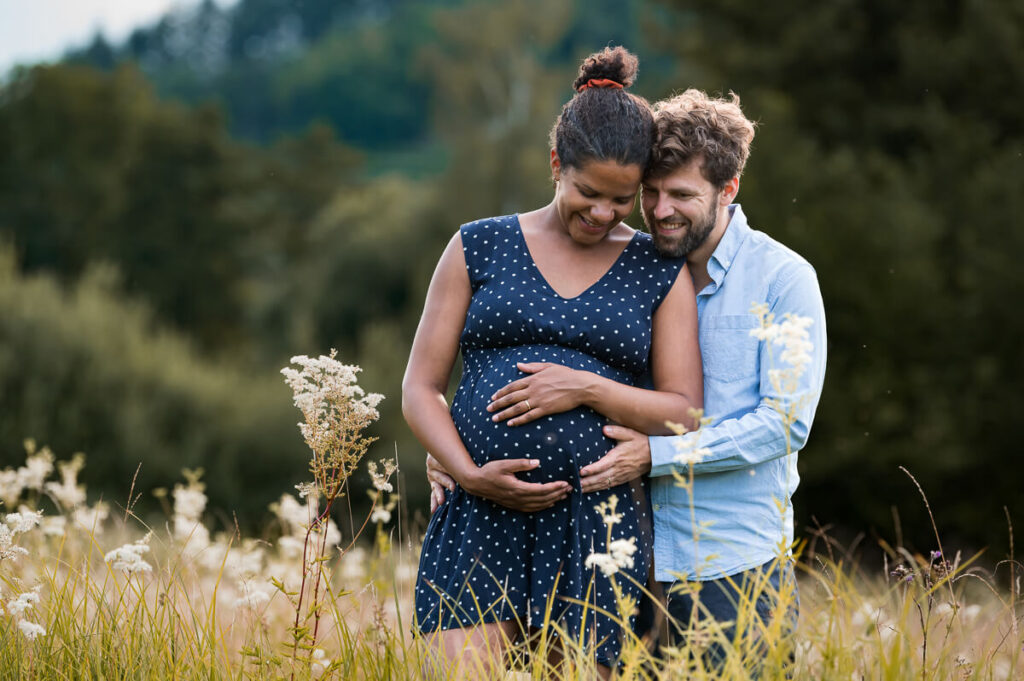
<point>727,348</point>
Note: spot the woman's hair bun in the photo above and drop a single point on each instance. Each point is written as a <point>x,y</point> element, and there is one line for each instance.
<point>614,63</point>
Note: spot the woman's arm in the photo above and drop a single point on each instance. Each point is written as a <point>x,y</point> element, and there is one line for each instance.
<point>423,394</point>
<point>675,368</point>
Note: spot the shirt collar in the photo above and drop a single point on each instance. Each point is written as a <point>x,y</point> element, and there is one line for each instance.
<point>736,233</point>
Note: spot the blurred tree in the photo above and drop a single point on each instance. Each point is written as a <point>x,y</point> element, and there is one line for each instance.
<point>82,368</point>
<point>495,99</point>
<point>276,66</point>
<point>93,167</point>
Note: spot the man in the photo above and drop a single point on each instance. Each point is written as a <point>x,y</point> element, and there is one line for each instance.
<point>723,516</point>
<point>727,526</point>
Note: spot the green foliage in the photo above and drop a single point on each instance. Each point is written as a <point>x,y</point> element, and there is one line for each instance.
<point>96,168</point>
<point>88,370</point>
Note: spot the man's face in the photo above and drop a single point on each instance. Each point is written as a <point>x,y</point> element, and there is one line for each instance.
<point>680,209</point>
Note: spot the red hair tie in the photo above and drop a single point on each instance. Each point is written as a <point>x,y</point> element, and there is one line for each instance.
<point>601,83</point>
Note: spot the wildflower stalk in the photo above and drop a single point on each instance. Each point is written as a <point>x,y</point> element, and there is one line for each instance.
<point>335,413</point>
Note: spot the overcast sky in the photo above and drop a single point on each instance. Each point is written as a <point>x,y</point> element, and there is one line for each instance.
<point>40,30</point>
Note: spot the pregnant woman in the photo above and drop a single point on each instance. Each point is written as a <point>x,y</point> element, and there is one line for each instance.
<point>570,284</point>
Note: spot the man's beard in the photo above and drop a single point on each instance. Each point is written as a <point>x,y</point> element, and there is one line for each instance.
<point>695,234</point>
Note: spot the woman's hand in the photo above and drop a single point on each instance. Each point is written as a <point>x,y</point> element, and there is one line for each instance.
<point>549,389</point>
<point>497,481</point>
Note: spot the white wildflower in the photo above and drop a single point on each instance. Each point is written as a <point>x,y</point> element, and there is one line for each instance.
<point>10,486</point>
<point>382,512</point>
<point>293,515</point>
<point>607,511</point>
<point>211,555</point>
<point>251,597</point>
<point>602,561</point>
<point>319,663</point>
<point>37,468</point>
<point>622,550</point>
<point>31,630</point>
<point>867,614</point>
<point>971,612</point>
<point>322,382</point>
<point>7,548</point>
<point>792,335</point>
<point>246,561</point>
<point>380,478</point>
<point>333,535</point>
<point>1002,668</point>
<point>405,572</point>
<point>353,564</point>
<point>290,547</point>
<point>620,555</point>
<point>23,521</point>
<point>190,501</point>
<point>192,534</point>
<point>887,634</point>
<point>129,556</point>
<point>23,602</point>
<point>91,519</point>
<point>765,333</point>
<point>53,526</point>
<point>68,492</point>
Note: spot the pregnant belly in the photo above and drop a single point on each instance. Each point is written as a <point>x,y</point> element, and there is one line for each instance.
<point>563,443</point>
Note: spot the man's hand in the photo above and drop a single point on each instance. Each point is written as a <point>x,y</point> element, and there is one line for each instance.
<point>439,480</point>
<point>629,459</point>
<point>497,481</point>
<point>549,389</point>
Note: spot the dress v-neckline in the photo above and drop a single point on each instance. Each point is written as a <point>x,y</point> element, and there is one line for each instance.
<point>540,275</point>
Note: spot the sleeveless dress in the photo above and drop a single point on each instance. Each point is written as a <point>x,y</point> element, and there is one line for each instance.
<point>482,562</point>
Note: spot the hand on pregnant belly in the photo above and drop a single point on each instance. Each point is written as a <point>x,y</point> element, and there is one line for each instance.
<point>497,481</point>
<point>547,389</point>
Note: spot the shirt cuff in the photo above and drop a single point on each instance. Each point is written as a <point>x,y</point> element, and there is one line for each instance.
<point>663,453</point>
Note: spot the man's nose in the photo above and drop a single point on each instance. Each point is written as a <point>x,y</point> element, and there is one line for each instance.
<point>663,209</point>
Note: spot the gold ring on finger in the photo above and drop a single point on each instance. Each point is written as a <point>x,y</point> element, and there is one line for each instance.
<point>527,403</point>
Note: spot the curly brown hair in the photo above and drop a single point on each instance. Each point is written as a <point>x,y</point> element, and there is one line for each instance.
<point>693,125</point>
<point>605,123</point>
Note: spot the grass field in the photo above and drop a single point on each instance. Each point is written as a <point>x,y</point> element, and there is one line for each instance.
<point>93,592</point>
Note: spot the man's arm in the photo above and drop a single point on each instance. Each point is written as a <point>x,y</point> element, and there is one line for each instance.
<point>761,434</point>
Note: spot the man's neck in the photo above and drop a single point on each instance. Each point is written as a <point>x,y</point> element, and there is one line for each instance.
<point>698,259</point>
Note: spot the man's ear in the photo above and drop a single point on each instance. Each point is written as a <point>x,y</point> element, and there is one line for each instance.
<point>729,191</point>
<point>556,166</point>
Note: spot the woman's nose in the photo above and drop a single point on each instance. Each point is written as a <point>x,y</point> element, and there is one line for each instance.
<point>602,212</point>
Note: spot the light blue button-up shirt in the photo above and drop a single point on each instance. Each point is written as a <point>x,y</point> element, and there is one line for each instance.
<point>741,505</point>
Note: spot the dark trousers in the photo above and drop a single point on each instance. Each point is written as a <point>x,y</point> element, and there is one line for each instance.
<point>738,615</point>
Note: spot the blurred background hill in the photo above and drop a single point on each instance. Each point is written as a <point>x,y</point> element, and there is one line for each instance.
<point>182,211</point>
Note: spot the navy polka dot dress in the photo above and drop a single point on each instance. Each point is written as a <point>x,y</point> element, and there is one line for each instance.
<point>485,563</point>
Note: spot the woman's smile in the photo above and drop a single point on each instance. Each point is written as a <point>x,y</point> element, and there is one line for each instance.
<point>594,227</point>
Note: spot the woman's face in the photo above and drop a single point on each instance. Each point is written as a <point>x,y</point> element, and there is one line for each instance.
<point>593,199</point>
